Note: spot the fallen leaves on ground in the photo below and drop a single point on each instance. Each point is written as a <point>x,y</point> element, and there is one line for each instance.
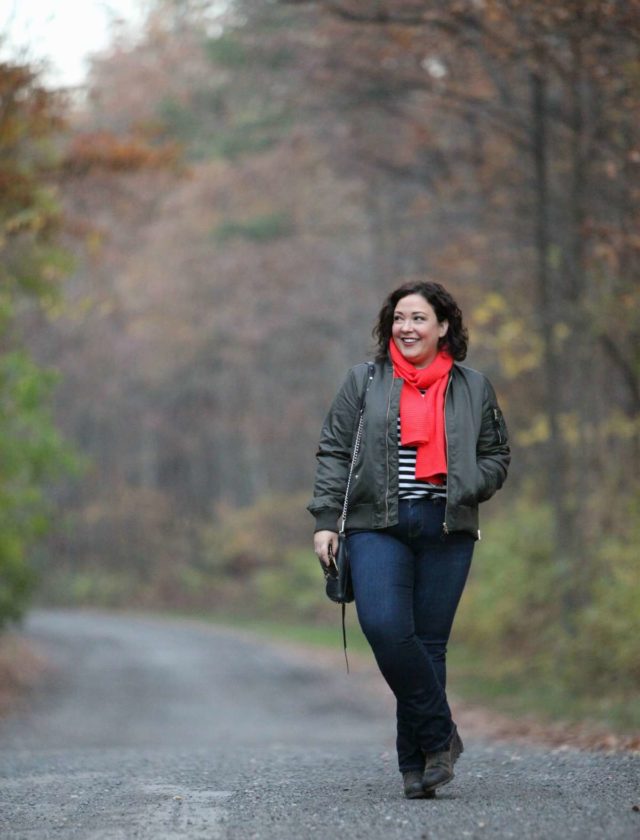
<point>21,667</point>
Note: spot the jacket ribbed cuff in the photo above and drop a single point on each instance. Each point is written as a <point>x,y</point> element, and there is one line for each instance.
<point>326,520</point>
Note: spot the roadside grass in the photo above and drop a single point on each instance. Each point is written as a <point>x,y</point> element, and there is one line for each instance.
<point>485,681</point>
<point>325,636</point>
<point>517,692</point>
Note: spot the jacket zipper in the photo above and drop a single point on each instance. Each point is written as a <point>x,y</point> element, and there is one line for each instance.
<point>386,440</point>
<point>445,527</point>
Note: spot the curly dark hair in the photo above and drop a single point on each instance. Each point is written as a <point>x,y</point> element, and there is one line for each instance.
<point>446,309</point>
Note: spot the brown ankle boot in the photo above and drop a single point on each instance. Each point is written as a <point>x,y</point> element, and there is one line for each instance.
<point>438,768</point>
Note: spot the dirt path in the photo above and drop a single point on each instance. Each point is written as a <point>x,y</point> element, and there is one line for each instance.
<point>154,728</point>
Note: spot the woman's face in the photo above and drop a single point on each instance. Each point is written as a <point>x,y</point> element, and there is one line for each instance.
<point>416,330</point>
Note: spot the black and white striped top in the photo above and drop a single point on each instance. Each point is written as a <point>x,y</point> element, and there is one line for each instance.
<point>408,486</point>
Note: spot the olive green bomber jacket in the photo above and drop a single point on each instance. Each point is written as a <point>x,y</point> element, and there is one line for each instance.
<point>478,453</point>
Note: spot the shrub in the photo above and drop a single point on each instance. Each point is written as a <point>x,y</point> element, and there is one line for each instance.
<point>513,617</point>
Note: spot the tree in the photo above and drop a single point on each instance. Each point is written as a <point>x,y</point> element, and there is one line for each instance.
<point>31,264</point>
<point>547,96</point>
<point>333,150</point>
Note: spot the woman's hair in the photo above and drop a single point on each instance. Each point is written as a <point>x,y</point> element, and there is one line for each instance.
<point>446,309</point>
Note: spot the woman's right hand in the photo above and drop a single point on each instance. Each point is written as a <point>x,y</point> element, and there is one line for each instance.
<point>321,542</point>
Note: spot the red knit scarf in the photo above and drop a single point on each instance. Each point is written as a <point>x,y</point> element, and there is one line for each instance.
<point>422,417</point>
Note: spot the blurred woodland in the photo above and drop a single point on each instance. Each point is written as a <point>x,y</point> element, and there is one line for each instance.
<point>199,246</point>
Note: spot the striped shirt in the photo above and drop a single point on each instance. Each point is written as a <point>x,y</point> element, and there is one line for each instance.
<point>408,486</point>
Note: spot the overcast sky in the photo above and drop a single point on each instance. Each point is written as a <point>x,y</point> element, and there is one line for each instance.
<point>64,32</point>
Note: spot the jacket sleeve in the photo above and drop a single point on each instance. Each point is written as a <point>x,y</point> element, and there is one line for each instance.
<point>493,454</point>
<point>334,454</point>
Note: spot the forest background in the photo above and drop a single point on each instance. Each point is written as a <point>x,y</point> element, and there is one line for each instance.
<point>194,250</point>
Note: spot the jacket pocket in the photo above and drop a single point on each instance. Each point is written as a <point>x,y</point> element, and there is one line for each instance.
<point>486,486</point>
<point>482,488</point>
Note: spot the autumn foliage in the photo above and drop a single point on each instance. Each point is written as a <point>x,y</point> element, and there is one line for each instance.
<point>333,149</point>
<point>31,264</point>
<point>103,150</point>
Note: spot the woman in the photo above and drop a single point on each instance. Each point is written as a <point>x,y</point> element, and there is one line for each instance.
<point>434,445</point>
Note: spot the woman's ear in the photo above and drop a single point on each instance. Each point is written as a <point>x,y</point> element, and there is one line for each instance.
<point>443,328</point>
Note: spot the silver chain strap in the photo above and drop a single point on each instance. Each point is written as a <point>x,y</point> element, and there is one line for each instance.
<point>356,449</point>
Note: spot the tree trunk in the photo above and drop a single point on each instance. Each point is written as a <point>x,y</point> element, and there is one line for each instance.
<point>557,465</point>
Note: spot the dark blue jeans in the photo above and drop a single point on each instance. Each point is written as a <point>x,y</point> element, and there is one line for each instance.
<point>407,581</point>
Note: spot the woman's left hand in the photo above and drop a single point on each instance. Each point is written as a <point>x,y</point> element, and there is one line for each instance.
<point>322,540</point>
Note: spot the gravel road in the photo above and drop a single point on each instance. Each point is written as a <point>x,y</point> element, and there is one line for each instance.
<point>160,728</point>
